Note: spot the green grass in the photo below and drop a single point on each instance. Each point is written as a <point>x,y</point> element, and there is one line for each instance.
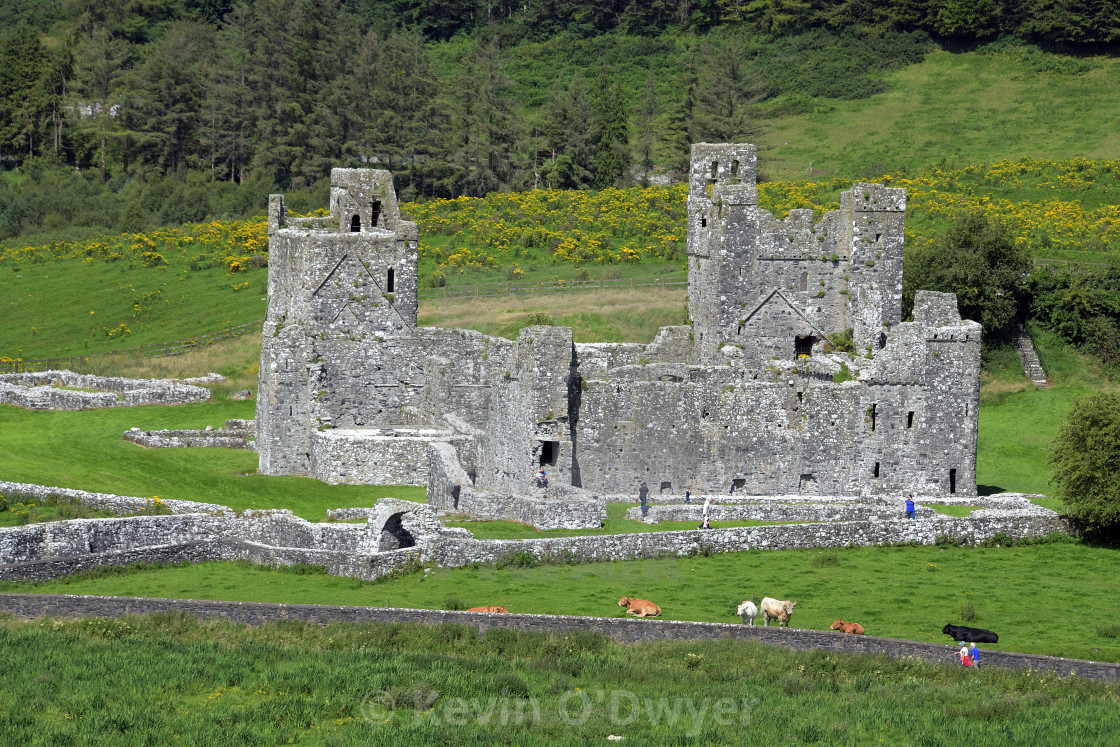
<point>1018,424</point>
<point>173,679</point>
<point>1043,598</point>
<point>960,108</point>
<point>47,306</point>
<point>84,450</point>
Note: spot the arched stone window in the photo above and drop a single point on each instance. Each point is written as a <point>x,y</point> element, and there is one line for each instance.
<point>355,224</point>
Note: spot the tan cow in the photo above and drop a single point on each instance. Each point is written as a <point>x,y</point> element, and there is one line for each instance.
<point>844,627</point>
<point>639,607</point>
<point>493,608</point>
<point>778,610</point>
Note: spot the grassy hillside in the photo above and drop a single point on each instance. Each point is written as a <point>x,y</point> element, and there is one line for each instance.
<point>957,108</point>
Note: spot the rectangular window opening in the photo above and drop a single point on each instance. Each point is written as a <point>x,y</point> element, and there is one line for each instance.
<point>952,482</point>
<point>737,485</point>
<point>876,472</point>
<point>872,414</point>
<point>550,452</point>
<point>910,419</point>
<point>390,280</point>
<point>803,344</point>
<point>666,487</point>
<point>375,213</point>
<point>800,397</point>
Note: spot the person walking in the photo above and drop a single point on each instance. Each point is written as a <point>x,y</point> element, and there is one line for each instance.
<point>688,495</point>
<point>643,492</point>
<point>910,507</point>
<point>707,511</point>
<point>974,654</point>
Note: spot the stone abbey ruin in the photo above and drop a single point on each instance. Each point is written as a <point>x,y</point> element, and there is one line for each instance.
<point>750,398</point>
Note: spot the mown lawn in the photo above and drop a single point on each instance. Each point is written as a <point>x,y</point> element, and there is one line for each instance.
<point>1056,599</point>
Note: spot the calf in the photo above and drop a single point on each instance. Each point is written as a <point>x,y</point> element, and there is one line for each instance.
<point>492,608</point>
<point>639,607</point>
<point>779,610</point>
<point>748,612</point>
<point>844,627</point>
<point>970,635</point>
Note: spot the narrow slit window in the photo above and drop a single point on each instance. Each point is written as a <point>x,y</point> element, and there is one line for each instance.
<point>952,482</point>
<point>872,413</point>
<point>715,170</point>
<point>876,472</point>
<point>375,213</point>
<point>703,222</point>
<point>804,281</point>
<point>910,419</point>
<point>800,397</point>
<point>390,280</point>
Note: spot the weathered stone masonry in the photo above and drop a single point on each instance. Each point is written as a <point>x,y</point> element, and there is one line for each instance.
<point>745,398</point>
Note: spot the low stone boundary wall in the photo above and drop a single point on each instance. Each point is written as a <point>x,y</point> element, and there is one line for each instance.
<point>106,501</point>
<point>40,391</point>
<point>454,553</point>
<point>775,512</point>
<point>366,567</point>
<point>235,435</point>
<point>624,630</point>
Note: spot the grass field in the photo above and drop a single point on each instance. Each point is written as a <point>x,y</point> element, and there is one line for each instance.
<point>960,108</point>
<point>169,679</point>
<point>84,450</point>
<point>1056,599</point>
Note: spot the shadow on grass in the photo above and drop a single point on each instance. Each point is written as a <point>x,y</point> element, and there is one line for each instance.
<point>989,489</point>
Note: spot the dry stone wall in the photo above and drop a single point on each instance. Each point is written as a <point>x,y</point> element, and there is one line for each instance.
<point>621,629</point>
<point>43,391</point>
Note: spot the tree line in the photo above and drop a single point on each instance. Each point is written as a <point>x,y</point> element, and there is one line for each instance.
<point>450,94</point>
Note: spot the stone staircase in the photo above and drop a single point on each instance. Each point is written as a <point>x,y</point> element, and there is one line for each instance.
<point>1032,366</point>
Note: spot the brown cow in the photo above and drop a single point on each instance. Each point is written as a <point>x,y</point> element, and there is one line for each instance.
<point>494,608</point>
<point>844,627</point>
<point>639,607</point>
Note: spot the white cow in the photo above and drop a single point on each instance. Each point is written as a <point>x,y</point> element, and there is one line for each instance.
<point>748,612</point>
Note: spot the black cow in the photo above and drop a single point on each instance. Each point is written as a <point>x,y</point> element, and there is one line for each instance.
<point>970,635</point>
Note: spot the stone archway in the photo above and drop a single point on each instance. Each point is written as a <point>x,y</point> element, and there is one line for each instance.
<point>394,536</point>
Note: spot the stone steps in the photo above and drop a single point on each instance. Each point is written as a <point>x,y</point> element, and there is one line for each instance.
<point>1032,366</point>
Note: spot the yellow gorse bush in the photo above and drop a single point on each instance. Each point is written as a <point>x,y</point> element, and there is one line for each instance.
<point>228,244</point>
<point>631,225</point>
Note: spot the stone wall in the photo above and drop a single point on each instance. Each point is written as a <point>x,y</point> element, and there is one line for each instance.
<point>775,512</point>
<point>41,391</point>
<point>106,501</point>
<point>450,488</point>
<point>238,434</point>
<point>622,629</point>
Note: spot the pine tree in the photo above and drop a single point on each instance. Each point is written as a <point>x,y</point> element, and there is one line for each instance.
<point>646,120</point>
<point>611,156</point>
<point>226,116</point>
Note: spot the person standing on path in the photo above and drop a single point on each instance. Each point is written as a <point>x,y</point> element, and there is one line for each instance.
<point>707,510</point>
<point>643,492</point>
<point>910,507</point>
<point>688,495</point>
<point>974,654</point>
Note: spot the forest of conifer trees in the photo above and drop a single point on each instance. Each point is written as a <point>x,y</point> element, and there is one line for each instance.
<point>126,105</point>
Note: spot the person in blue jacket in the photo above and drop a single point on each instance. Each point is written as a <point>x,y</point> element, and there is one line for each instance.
<point>974,654</point>
<point>910,507</point>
